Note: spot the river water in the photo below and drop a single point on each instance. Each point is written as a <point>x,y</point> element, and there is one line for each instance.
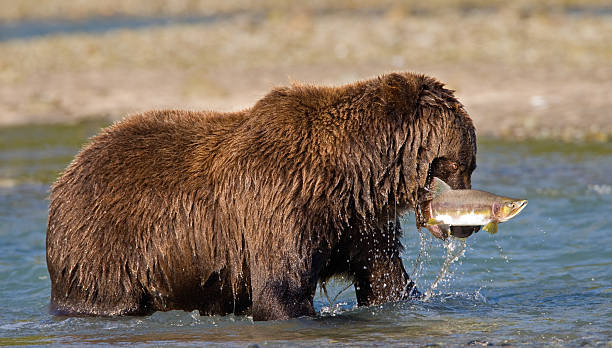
<point>544,279</point>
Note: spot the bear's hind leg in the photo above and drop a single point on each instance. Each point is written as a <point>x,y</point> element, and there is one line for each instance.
<point>84,306</point>
<point>76,293</point>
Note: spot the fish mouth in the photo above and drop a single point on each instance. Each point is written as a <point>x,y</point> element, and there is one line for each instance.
<point>521,205</point>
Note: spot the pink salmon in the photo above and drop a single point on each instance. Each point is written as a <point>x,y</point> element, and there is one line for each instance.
<point>468,208</point>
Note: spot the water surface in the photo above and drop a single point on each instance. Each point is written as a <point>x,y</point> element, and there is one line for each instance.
<point>544,279</point>
<point>97,24</point>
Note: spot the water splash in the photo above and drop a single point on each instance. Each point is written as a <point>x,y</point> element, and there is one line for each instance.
<point>335,309</point>
<point>600,189</point>
<point>421,256</point>
<point>332,307</point>
<point>502,254</point>
<point>455,249</point>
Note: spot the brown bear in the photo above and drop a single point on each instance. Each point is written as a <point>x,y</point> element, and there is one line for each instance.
<point>246,212</point>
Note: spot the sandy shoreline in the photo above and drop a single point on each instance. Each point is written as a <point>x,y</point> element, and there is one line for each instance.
<point>578,111</point>
<point>536,77</point>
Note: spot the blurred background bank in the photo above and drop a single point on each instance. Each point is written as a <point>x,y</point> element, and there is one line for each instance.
<point>523,69</point>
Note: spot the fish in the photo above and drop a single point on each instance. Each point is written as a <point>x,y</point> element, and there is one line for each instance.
<point>450,207</point>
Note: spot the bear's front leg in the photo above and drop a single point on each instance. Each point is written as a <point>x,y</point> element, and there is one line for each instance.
<point>383,280</point>
<point>379,273</point>
<point>282,296</point>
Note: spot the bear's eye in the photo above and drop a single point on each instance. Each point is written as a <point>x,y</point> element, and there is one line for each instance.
<point>454,165</point>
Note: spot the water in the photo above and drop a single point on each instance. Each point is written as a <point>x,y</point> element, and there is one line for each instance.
<point>544,279</point>
<point>43,27</point>
<point>34,28</point>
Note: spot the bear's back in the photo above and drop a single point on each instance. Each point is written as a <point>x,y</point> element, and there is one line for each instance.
<point>116,212</point>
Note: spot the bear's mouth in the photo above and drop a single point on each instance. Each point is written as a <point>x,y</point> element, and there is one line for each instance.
<point>463,231</point>
<point>455,231</point>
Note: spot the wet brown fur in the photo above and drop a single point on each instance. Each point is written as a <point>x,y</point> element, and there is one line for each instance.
<point>245,212</point>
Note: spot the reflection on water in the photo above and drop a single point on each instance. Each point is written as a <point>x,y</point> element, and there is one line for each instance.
<point>544,279</point>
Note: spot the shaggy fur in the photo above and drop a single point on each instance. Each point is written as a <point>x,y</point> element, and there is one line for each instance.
<point>245,212</point>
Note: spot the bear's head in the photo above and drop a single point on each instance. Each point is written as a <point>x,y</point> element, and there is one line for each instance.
<point>437,139</point>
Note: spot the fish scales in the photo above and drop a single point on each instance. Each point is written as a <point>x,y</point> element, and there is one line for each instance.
<point>468,208</point>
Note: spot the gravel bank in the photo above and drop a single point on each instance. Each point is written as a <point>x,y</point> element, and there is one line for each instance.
<point>541,75</point>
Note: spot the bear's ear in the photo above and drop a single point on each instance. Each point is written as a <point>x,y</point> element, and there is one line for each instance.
<point>433,93</point>
<point>400,90</point>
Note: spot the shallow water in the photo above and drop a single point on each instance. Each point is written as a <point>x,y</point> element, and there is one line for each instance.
<point>29,29</point>
<point>544,279</point>
<point>34,28</point>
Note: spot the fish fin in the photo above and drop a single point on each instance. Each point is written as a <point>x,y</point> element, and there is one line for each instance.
<point>441,231</point>
<point>491,227</point>
<point>444,227</point>
<point>438,186</point>
<point>433,221</point>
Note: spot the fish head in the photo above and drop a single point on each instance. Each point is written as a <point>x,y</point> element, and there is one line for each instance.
<point>509,208</point>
